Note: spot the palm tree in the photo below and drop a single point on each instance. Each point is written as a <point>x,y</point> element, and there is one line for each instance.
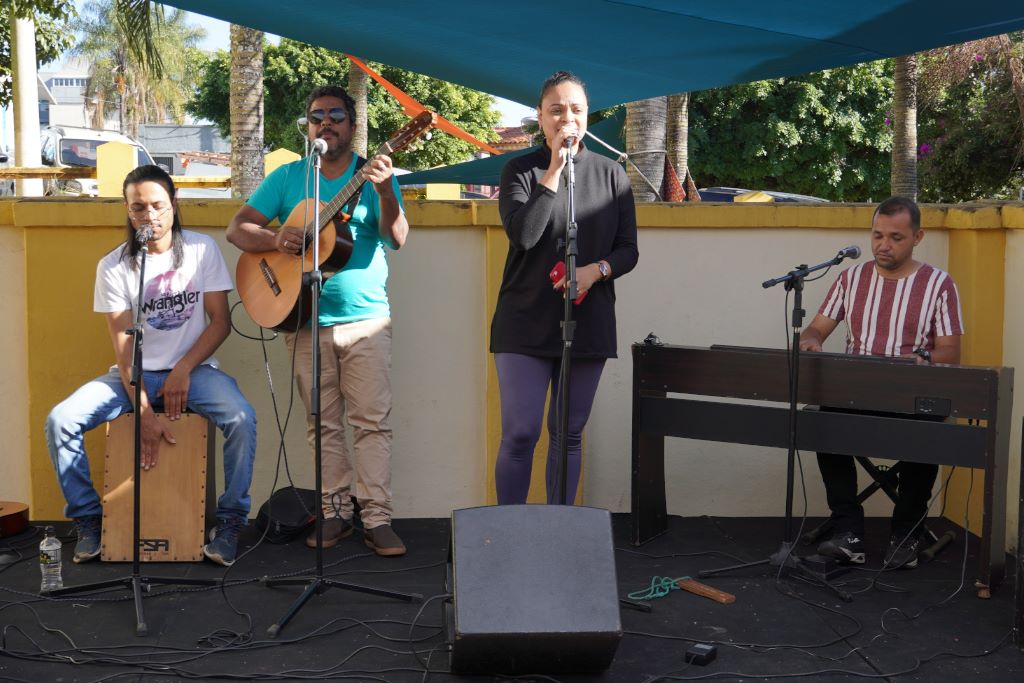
<point>677,134</point>
<point>357,88</point>
<point>246,110</point>
<point>903,175</point>
<point>645,144</point>
<point>131,46</point>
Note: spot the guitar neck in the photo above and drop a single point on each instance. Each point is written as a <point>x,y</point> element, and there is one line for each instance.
<point>347,192</point>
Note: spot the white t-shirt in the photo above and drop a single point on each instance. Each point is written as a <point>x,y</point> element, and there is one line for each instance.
<point>173,310</point>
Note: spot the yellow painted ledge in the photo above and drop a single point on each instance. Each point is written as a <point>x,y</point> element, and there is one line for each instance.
<point>1013,216</point>
<point>973,217</point>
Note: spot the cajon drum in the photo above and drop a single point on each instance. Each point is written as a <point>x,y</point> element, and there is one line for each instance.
<point>174,501</point>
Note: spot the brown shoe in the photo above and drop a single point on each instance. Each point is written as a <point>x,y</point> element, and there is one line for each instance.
<point>384,541</point>
<point>334,529</point>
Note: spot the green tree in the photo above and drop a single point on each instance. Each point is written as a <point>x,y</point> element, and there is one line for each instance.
<point>821,134</point>
<point>971,122</point>
<point>292,69</point>
<point>120,72</point>
<point>53,34</point>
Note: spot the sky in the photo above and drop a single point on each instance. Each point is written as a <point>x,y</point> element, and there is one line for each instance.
<point>218,38</point>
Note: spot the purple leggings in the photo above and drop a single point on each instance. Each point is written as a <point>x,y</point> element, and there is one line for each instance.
<point>523,382</point>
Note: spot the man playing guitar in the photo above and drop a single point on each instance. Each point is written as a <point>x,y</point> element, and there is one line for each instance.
<point>355,318</point>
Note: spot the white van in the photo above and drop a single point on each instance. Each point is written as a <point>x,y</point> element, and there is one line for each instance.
<point>68,146</point>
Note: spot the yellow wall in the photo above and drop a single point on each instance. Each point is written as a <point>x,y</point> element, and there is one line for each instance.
<point>977,258</point>
<point>700,266</point>
<point>16,479</point>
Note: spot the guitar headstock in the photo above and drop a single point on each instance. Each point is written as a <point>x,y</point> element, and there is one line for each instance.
<point>408,133</point>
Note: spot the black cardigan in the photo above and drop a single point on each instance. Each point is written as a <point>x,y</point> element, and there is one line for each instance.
<point>528,314</point>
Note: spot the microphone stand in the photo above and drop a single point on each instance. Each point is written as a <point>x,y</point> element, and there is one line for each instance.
<point>316,584</point>
<point>135,582</point>
<point>568,329</point>
<point>784,557</point>
<point>568,334</point>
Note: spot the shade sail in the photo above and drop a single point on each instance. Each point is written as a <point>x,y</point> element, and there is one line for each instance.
<point>625,50</point>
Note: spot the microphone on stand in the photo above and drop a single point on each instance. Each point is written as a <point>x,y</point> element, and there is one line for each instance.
<point>852,251</point>
<point>144,234</point>
<point>319,146</point>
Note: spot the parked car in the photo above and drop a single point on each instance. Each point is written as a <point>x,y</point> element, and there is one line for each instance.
<point>67,146</point>
<point>726,194</point>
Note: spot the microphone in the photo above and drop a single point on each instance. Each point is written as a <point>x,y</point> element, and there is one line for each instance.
<point>319,146</point>
<point>144,234</point>
<point>852,251</point>
<point>570,139</point>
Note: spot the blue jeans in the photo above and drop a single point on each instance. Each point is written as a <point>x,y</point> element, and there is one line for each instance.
<point>211,393</point>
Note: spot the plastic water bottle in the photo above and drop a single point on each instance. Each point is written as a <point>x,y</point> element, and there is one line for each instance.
<point>49,562</point>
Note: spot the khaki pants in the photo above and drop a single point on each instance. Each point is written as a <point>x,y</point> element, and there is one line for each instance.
<point>355,380</point>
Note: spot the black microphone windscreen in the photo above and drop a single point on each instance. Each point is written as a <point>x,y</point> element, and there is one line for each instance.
<point>144,233</point>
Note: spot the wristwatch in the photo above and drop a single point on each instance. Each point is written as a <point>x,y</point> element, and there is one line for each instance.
<point>925,354</point>
<point>605,270</point>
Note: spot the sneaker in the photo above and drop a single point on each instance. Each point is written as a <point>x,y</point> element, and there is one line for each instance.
<point>333,530</point>
<point>384,541</point>
<point>902,556</point>
<point>846,547</point>
<point>223,545</point>
<point>88,546</point>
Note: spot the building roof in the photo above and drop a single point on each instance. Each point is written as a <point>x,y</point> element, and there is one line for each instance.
<point>512,138</point>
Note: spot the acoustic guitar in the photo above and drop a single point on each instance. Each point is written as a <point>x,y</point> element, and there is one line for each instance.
<point>13,518</point>
<point>270,283</point>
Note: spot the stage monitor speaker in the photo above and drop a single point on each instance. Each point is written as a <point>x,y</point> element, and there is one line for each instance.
<point>534,590</point>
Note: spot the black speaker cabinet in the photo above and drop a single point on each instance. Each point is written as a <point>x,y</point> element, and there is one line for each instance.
<point>534,590</point>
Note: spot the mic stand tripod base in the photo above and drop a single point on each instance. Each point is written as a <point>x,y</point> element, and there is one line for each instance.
<point>137,585</point>
<point>317,585</point>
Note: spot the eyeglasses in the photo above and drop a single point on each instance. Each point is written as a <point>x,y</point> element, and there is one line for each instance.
<point>336,114</point>
<point>149,212</point>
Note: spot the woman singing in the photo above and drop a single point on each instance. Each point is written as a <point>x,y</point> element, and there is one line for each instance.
<point>526,333</point>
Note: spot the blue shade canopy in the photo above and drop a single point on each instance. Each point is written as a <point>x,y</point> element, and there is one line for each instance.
<point>624,50</point>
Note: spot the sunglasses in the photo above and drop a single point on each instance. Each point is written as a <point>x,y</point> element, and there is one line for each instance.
<point>336,114</point>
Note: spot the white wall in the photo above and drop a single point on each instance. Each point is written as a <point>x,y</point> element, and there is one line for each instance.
<point>438,378</point>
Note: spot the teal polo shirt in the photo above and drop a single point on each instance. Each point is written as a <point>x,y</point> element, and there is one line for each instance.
<point>359,290</point>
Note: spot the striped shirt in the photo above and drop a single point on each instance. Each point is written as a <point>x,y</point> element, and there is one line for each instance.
<point>889,317</point>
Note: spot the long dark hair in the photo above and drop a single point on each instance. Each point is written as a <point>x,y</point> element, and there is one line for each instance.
<point>152,174</point>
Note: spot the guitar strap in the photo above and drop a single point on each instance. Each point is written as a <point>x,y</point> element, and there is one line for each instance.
<point>350,205</point>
